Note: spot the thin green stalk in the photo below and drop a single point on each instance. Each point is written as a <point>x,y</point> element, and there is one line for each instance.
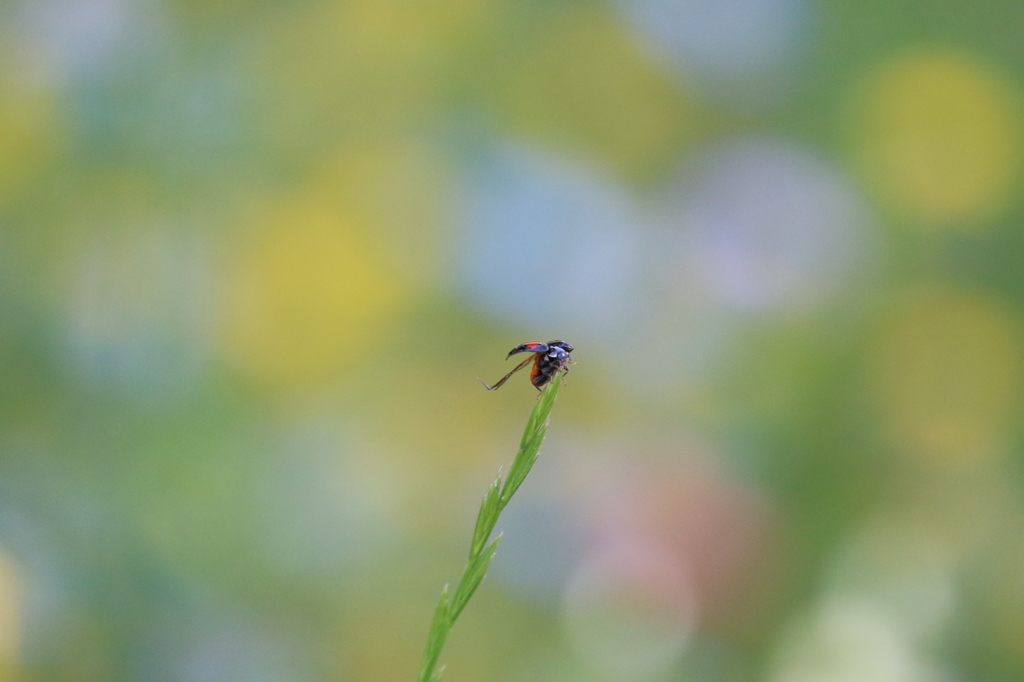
<point>480,550</point>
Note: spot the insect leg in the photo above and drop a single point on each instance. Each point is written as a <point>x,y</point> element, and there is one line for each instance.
<point>565,370</point>
<point>505,378</point>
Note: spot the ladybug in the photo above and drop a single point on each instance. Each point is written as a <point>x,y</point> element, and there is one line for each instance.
<point>548,358</point>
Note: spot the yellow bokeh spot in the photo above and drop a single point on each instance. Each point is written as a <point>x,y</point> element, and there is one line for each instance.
<point>10,614</point>
<point>398,30</point>
<point>402,191</point>
<point>29,132</point>
<point>939,133</point>
<point>304,297</point>
<point>946,371</point>
<point>357,70</point>
<point>588,86</point>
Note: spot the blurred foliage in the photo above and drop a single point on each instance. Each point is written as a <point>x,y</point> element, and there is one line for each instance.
<point>254,255</point>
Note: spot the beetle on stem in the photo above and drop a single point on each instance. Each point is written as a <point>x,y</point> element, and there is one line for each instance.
<point>548,359</point>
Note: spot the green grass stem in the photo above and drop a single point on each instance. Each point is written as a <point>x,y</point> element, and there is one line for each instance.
<point>481,552</point>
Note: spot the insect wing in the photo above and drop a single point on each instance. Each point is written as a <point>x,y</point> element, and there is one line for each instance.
<point>528,347</point>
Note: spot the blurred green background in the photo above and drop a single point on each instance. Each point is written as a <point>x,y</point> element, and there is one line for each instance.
<point>255,254</point>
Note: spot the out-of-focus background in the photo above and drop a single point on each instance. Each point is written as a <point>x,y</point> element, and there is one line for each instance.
<point>254,256</point>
